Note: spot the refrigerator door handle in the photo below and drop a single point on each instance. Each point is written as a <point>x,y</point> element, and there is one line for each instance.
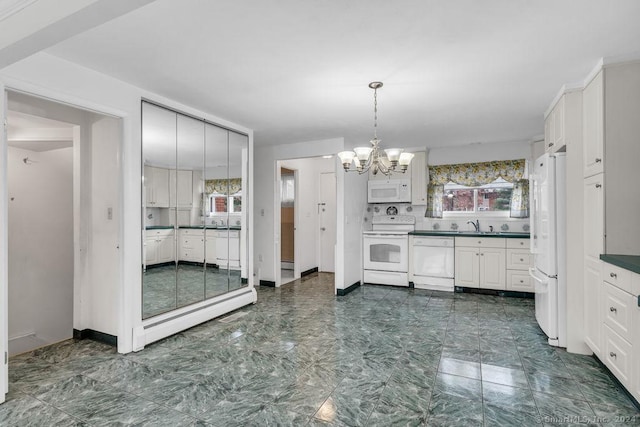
<point>532,273</point>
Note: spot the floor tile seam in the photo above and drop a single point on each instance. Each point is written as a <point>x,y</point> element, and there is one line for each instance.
<point>75,417</point>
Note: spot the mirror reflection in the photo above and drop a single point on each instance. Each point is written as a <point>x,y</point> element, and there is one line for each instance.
<point>194,236</point>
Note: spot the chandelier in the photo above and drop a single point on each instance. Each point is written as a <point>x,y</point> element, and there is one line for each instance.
<point>370,158</point>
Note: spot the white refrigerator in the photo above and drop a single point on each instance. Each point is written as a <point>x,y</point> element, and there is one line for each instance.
<point>548,245</point>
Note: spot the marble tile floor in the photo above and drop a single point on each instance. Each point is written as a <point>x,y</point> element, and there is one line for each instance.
<point>380,356</point>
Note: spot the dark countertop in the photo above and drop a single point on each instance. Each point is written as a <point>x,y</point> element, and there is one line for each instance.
<point>501,234</point>
<point>159,227</point>
<point>628,262</point>
<point>211,227</point>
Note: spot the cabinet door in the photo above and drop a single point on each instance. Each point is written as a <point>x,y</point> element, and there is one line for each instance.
<point>592,302</point>
<point>222,249</point>
<point>181,182</point>
<point>493,269</point>
<point>558,125</point>
<point>160,183</point>
<point>150,251</point>
<point>419,179</point>
<point>593,126</point>
<point>594,243</point>
<point>210,248</point>
<point>166,249</point>
<point>148,187</point>
<point>548,139</point>
<point>466,269</point>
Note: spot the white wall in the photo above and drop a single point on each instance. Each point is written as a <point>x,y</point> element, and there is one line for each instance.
<point>266,200</point>
<point>41,244</point>
<point>307,227</point>
<point>65,81</point>
<point>484,152</point>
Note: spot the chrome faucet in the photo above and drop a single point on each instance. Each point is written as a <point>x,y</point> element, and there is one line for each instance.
<point>476,224</point>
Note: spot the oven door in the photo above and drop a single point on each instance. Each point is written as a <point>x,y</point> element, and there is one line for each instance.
<point>386,252</point>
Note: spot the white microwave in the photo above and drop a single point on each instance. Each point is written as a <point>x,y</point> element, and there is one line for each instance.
<point>389,191</point>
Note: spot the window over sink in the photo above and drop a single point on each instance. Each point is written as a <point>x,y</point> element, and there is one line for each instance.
<point>493,198</point>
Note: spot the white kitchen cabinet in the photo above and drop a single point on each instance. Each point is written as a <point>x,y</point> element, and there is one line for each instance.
<point>563,123</point>
<point>419,178</point>
<point>594,243</point>
<point>181,188</point>
<point>592,302</point>
<point>191,245</point>
<point>620,312</point>
<point>593,126</point>
<point>210,247</point>
<point>156,183</point>
<point>480,262</point>
<point>519,260</point>
<point>159,246</point>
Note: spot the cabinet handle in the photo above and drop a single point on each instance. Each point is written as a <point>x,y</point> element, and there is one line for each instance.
<point>598,185</point>
<point>598,160</point>
<point>521,281</point>
<point>612,354</point>
<point>551,144</point>
<point>482,254</point>
<point>521,259</point>
<point>614,275</point>
<point>613,309</point>
<point>521,243</point>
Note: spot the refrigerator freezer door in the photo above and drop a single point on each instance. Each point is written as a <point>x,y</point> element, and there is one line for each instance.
<point>546,304</point>
<point>543,242</point>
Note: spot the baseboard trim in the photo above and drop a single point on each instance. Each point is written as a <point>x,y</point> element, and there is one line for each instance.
<point>95,336</point>
<point>268,283</point>
<point>494,292</point>
<point>309,271</point>
<point>348,289</point>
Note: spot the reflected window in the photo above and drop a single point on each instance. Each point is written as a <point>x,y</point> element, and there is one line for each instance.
<point>225,204</point>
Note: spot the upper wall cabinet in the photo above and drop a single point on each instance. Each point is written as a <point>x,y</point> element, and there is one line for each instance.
<point>419,178</point>
<point>611,128</point>
<point>593,126</point>
<point>562,124</point>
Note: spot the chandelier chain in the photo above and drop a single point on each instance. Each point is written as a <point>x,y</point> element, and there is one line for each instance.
<point>375,113</point>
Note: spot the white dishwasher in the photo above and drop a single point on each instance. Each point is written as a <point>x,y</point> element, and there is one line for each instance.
<point>433,262</point>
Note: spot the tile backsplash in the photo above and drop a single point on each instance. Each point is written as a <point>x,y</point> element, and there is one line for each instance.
<point>455,223</point>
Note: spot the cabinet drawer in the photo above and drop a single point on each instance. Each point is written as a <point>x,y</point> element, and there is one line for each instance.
<point>519,281</point>
<point>481,242</point>
<point>618,309</point>
<point>518,244</point>
<point>618,355</point>
<point>518,259</point>
<point>191,232</point>
<point>617,276</point>
<point>159,233</point>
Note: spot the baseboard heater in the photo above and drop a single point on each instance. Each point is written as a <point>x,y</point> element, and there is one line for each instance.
<point>162,326</point>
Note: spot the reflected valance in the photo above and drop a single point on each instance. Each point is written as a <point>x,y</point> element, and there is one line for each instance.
<point>476,174</point>
<point>225,187</point>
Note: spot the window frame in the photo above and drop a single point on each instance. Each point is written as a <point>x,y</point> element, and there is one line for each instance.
<point>499,183</point>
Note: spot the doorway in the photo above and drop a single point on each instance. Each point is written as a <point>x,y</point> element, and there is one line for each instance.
<point>305,202</point>
<point>40,231</point>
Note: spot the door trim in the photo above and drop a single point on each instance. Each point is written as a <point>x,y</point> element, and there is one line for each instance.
<point>4,242</point>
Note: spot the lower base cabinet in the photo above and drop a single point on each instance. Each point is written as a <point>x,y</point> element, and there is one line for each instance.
<point>618,312</point>
<point>159,247</point>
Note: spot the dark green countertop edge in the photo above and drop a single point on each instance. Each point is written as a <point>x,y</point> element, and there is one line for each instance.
<point>194,227</point>
<point>628,262</point>
<point>506,235</point>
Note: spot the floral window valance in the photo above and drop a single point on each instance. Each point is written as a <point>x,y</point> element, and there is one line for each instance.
<point>226,187</point>
<point>475,174</point>
<point>478,174</point>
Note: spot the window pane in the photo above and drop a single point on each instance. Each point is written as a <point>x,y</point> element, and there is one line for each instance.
<point>458,200</point>
<point>220,204</point>
<point>237,203</point>
<point>494,199</point>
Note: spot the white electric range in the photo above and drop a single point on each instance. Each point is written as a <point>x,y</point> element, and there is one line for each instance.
<point>386,250</point>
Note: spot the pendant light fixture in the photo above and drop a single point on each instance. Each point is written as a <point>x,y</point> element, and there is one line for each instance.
<point>370,158</point>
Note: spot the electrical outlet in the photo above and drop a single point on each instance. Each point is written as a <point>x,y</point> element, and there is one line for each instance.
<point>109,213</point>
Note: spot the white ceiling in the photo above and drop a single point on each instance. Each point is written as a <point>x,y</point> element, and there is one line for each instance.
<point>37,133</point>
<point>455,72</point>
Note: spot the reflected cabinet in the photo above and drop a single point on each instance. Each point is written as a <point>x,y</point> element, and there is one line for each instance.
<point>194,223</point>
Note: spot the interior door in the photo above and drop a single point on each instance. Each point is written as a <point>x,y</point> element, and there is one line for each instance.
<point>327,221</point>
<point>4,277</point>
